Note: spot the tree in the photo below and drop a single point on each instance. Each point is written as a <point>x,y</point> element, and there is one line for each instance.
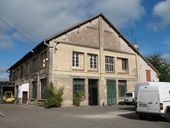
<point>54,96</point>
<point>161,65</point>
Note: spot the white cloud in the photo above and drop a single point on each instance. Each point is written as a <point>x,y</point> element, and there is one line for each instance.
<point>3,74</point>
<point>121,12</point>
<point>38,19</point>
<point>5,42</point>
<point>2,69</point>
<point>161,10</point>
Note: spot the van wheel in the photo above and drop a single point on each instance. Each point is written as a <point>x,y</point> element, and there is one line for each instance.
<point>127,103</point>
<point>142,116</point>
<point>167,117</point>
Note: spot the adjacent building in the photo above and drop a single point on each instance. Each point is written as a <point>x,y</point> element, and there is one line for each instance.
<point>92,56</point>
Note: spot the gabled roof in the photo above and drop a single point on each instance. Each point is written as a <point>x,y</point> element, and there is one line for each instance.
<point>77,26</point>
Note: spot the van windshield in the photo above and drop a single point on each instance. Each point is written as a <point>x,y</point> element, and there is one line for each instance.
<point>128,94</point>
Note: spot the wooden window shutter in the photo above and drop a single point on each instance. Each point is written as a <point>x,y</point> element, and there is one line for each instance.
<point>148,75</point>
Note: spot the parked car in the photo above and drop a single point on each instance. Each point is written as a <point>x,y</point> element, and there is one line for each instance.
<point>129,98</point>
<point>8,97</point>
<point>154,100</point>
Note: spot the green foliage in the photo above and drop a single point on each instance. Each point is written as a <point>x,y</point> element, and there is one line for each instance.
<point>78,97</point>
<point>162,66</point>
<point>54,97</point>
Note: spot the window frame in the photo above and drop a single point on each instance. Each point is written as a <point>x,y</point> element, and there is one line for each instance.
<point>109,64</point>
<point>125,65</point>
<point>27,69</point>
<point>22,71</point>
<point>78,85</point>
<point>34,64</point>
<point>93,58</point>
<point>43,90</point>
<point>17,74</point>
<point>43,59</point>
<point>75,59</point>
<point>148,75</point>
<point>122,84</point>
<point>34,90</point>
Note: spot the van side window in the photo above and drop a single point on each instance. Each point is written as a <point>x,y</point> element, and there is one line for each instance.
<point>169,93</point>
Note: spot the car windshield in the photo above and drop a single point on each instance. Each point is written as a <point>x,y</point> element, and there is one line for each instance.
<point>129,94</point>
<point>8,95</point>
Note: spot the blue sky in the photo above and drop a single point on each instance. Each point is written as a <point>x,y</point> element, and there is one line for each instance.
<point>39,19</point>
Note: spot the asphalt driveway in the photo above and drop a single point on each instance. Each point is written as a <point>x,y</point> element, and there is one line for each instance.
<point>118,116</point>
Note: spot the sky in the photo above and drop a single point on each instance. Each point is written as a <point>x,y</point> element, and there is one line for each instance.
<point>144,22</point>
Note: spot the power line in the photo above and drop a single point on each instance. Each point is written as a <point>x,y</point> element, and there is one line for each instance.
<point>25,37</point>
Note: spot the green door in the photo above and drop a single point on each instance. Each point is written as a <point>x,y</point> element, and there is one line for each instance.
<point>111,92</point>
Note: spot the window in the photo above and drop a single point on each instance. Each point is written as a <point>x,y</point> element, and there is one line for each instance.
<point>43,63</point>
<point>78,85</point>
<point>124,64</point>
<point>21,72</point>
<point>17,74</point>
<point>27,69</point>
<point>12,75</point>
<point>42,60</point>
<point>43,88</point>
<point>148,75</point>
<point>34,65</point>
<point>122,88</point>
<point>34,90</point>
<point>93,61</point>
<point>75,59</point>
<point>109,64</point>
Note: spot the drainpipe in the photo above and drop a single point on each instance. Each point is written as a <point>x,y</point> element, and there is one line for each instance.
<point>100,53</point>
<point>52,64</point>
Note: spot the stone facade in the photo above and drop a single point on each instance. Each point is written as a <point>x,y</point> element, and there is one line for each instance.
<point>95,38</point>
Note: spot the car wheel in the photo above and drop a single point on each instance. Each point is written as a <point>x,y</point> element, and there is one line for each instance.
<point>142,116</point>
<point>127,103</point>
<point>167,117</point>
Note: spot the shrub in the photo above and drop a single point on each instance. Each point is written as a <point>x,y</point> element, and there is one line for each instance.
<point>78,97</point>
<point>54,97</point>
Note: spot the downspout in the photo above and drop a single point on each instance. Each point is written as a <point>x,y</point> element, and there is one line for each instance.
<point>52,64</point>
<point>100,53</point>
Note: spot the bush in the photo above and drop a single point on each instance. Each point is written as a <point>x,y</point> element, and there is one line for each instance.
<point>54,97</point>
<point>78,97</point>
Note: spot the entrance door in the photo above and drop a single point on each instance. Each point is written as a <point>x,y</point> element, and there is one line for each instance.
<point>24,97</point>
<point>111,92</point>
<point>93,92</point>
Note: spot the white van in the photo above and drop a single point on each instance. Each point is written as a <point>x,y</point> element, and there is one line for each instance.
<point>154,100</point>
<point>129,98</point>
<point>137,86</point>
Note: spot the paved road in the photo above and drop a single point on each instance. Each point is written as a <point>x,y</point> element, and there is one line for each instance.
<point>21,116</point>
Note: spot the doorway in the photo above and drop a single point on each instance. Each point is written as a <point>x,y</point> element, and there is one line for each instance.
<point>111,92</point>
<point>24,97</point>
<point>93,91</point>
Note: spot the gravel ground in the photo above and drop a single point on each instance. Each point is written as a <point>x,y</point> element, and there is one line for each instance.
<point>27,116</point>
